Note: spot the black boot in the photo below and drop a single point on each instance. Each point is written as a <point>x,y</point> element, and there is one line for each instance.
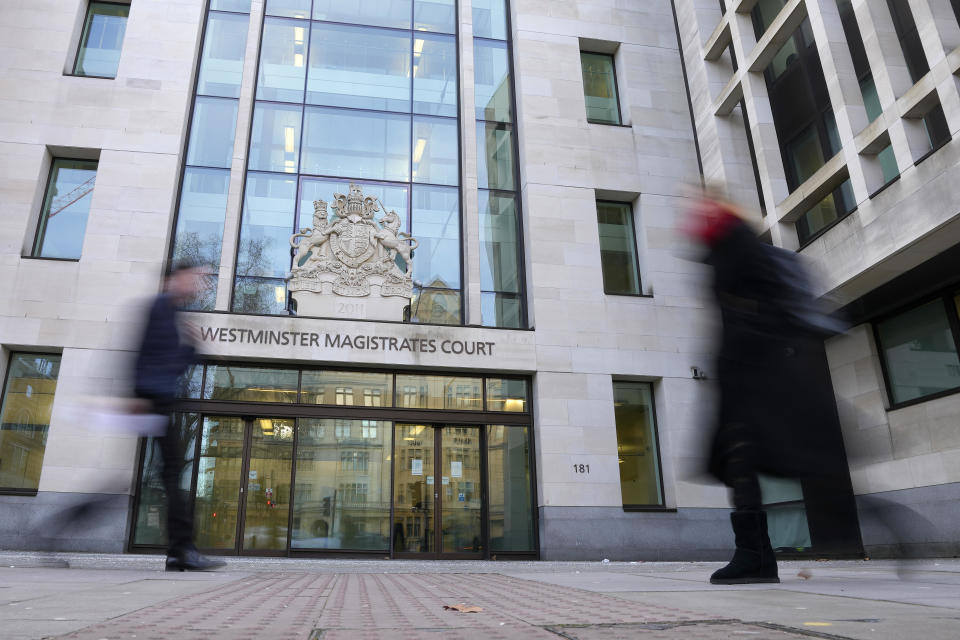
<point>753,560</point>
<point>191,560</point>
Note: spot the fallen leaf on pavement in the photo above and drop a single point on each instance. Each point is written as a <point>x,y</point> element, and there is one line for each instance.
<point>462,608</point>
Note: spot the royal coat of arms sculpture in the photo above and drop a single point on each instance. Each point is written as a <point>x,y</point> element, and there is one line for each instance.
<point>352,255</point>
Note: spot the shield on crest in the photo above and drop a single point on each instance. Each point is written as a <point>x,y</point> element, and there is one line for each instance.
<point>352,244</point>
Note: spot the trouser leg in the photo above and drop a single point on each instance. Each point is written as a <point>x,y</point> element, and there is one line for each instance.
<point>746,492</point>
<point>179,517</point>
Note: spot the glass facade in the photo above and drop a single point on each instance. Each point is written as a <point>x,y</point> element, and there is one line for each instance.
<point>501,251</point>
<point>342,485</point>
<point>637,446</point>
<point>919,348</point>
<point>600,87</point>
<point>511,495</point>
<point>334,475</point>
<point>151,515</point>
<point>66,205</point>
<point>25,410</point>
<point>618,249</point>
<point>202,205</point>
<point>363,94</point>
<point>102,40</point>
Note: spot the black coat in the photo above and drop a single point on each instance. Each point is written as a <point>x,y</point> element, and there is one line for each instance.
<point>163,356</point>
<point>774,386</point>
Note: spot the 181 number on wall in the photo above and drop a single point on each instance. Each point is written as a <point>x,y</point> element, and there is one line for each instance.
<point>581,468</point>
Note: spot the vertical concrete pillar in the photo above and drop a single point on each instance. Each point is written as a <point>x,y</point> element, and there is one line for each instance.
<point>238,165</point>
<point>940,34</point>
<point>890,75</point>
<point>843,87</point>
<point>470,207</point>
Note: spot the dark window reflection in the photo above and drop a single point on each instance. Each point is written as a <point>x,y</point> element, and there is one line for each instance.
<point>618,248</point>
<point>25,409</point>
<point>508,472</point>
<point>920,352</point>
<point>150,527</point>
<point>637,444</point>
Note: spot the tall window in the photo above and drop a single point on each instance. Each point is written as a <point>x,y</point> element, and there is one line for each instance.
<point>600,87</point>
<point>206,178</point>
<point>364,93</point>
<point>66,205</point>
<point>935,122</point>
<point>25,418</point>
<point>871,101</point>
<point>501,280</point>
<point>637,447</point>
<point>618,249</point>
<point>803,118</point>
<point>861,65</point>
<point>919,348</point>
<point>102,39</point>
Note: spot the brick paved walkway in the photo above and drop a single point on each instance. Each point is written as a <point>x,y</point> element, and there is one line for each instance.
<point>124,597</point>
<point>291,606</point>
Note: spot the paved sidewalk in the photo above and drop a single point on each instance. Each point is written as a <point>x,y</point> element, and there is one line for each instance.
<point>121,596</point>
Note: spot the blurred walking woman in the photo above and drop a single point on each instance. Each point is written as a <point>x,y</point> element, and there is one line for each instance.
<point>772,408</point>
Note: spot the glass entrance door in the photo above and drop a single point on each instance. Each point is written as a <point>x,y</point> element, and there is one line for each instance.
<point>438,504</point>
<point>244,484</point>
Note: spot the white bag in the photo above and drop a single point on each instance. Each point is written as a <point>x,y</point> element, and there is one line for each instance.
<point>120,423</point>
<point>117,417</point>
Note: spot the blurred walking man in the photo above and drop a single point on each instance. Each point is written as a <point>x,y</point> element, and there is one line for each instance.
<point>164,355</point>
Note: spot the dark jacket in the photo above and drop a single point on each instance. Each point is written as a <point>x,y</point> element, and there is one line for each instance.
<point>776,401</point>
<point>163,357</point>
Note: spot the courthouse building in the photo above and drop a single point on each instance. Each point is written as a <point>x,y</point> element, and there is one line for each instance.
<point>447,312</point>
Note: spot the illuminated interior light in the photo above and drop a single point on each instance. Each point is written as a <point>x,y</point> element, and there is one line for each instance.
<point>513,404</point>
<point>279,294</point>
<point>288,139</point>
<point>418,150</point>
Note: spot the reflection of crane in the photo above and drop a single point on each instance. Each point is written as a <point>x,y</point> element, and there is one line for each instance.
<point>75,194</point>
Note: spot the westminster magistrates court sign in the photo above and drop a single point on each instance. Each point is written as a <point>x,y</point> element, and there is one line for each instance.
<point>361,342</point>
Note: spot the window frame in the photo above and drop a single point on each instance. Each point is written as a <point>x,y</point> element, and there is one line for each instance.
<point>946,297</point>
<point>84,31</point>
<point>636,250</point>
<point>616,88</point>
<point>656,434</point>
<point>42,219</point>
<point>21,491</point>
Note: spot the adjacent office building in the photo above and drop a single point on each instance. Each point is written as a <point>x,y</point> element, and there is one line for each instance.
<point>446,311</point>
